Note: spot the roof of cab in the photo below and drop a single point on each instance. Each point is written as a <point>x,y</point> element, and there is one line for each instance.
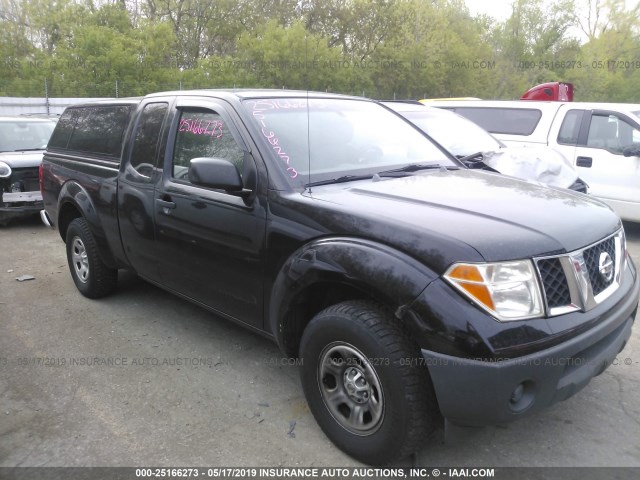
<point>227,94</point>
<point>408,106</point>
<point>531,104</point>
<point>425,110</point>
<point>109,101</point>
<point>246,93</point>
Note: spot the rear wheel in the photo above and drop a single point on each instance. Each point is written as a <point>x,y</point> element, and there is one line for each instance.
<point>364,384</point>
<point>91,276</point>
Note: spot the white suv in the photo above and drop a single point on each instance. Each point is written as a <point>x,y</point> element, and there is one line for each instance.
<point>602,140</point>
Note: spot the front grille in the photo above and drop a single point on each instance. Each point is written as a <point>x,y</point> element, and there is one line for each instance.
<point>574,281</point>
<point>592,259</point>
<point>22,180</point>
<point>555,282</point>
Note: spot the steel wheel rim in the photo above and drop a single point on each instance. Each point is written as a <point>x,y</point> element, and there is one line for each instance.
<point>80,260</point>
<point>351,389</point>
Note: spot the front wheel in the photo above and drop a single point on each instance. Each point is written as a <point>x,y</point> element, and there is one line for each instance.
<point>364,384</point>
<point>91,276</point>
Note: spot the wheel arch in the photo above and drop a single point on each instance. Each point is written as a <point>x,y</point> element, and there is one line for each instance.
<point>331,270</point>
<point>75,202</point>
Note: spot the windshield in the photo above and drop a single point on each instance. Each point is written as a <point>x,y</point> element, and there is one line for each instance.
<point>458,135</point>
<point>21,134</point>
<point>321,139</point>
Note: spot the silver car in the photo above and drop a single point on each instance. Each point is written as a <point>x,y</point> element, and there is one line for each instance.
<point>477,148</point>
<point>23,140</point>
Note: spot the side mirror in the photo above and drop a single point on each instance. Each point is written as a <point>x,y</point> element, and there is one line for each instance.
<point>632,150</point>
<point>215,173</point>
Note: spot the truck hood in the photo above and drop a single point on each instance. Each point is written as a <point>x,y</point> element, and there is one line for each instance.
<point>22,159</point>
<point>500,218</point>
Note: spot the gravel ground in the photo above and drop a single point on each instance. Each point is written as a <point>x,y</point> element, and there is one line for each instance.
<point>187,388</point>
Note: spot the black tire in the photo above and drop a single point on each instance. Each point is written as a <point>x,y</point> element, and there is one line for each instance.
<point>91,276</point>
<point>394,409</point>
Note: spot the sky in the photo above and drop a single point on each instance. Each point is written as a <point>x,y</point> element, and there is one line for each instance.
<point>498,9</point>
<point>501,9</point>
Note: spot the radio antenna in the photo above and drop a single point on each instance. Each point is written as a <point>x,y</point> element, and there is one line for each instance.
<point>306,81</point>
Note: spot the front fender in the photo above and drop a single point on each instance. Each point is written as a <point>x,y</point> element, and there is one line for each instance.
<point>381,272</point>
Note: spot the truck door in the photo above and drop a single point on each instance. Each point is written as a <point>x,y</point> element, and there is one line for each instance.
<point>136,186</point>
<point>612,176</point>
<point>564,132</point>
<point>210,241</point>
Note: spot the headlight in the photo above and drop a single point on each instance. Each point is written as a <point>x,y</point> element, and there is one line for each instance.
<point>5,170</point>
<point>507,290</point>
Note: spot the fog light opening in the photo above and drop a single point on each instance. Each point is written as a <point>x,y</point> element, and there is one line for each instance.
<point>517,394</point>
<point>522,396</point>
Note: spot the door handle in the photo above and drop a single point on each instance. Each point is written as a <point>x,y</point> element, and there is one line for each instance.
<point>584,162</point>
<point>165,204</point>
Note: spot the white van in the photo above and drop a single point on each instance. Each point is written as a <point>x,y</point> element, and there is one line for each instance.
<point>601,139</point>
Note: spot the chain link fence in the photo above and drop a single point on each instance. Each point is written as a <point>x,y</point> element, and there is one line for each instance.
<point>42,88</point>
<point>111,89</point>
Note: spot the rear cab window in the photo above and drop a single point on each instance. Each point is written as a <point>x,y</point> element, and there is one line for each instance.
<point>60,137</point>
<point>147,138</point>
<point>570,128</point>
<point>508,121</point>
<point>94,130</point>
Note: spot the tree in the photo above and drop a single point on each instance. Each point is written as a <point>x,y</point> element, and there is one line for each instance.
<point>382,48</point>
<point>358,27</point>
<point>529,42</point>
<point>277,56</point>
<point>612,54</point>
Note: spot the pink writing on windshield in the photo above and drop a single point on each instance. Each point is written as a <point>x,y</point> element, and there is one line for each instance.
<point>275,144</point>
<point>279,104</point>
<point>198,126</point>
<point>258,107</point>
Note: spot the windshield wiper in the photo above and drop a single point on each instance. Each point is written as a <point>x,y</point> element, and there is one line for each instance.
<point>414,167</point>
<point>476,161</point>
<point>344,178</point>
<point>470,158</point>
<point>29,149</point>
<point>396,172</point>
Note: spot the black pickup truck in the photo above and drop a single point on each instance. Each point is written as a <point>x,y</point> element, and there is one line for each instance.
<point>412,288</point>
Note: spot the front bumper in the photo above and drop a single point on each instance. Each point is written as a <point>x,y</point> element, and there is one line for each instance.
<point>477,392</point>
<point>19,204</point>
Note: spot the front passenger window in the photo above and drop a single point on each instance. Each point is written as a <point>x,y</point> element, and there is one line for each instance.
<point>203,133</point>
<point>611,133</point>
